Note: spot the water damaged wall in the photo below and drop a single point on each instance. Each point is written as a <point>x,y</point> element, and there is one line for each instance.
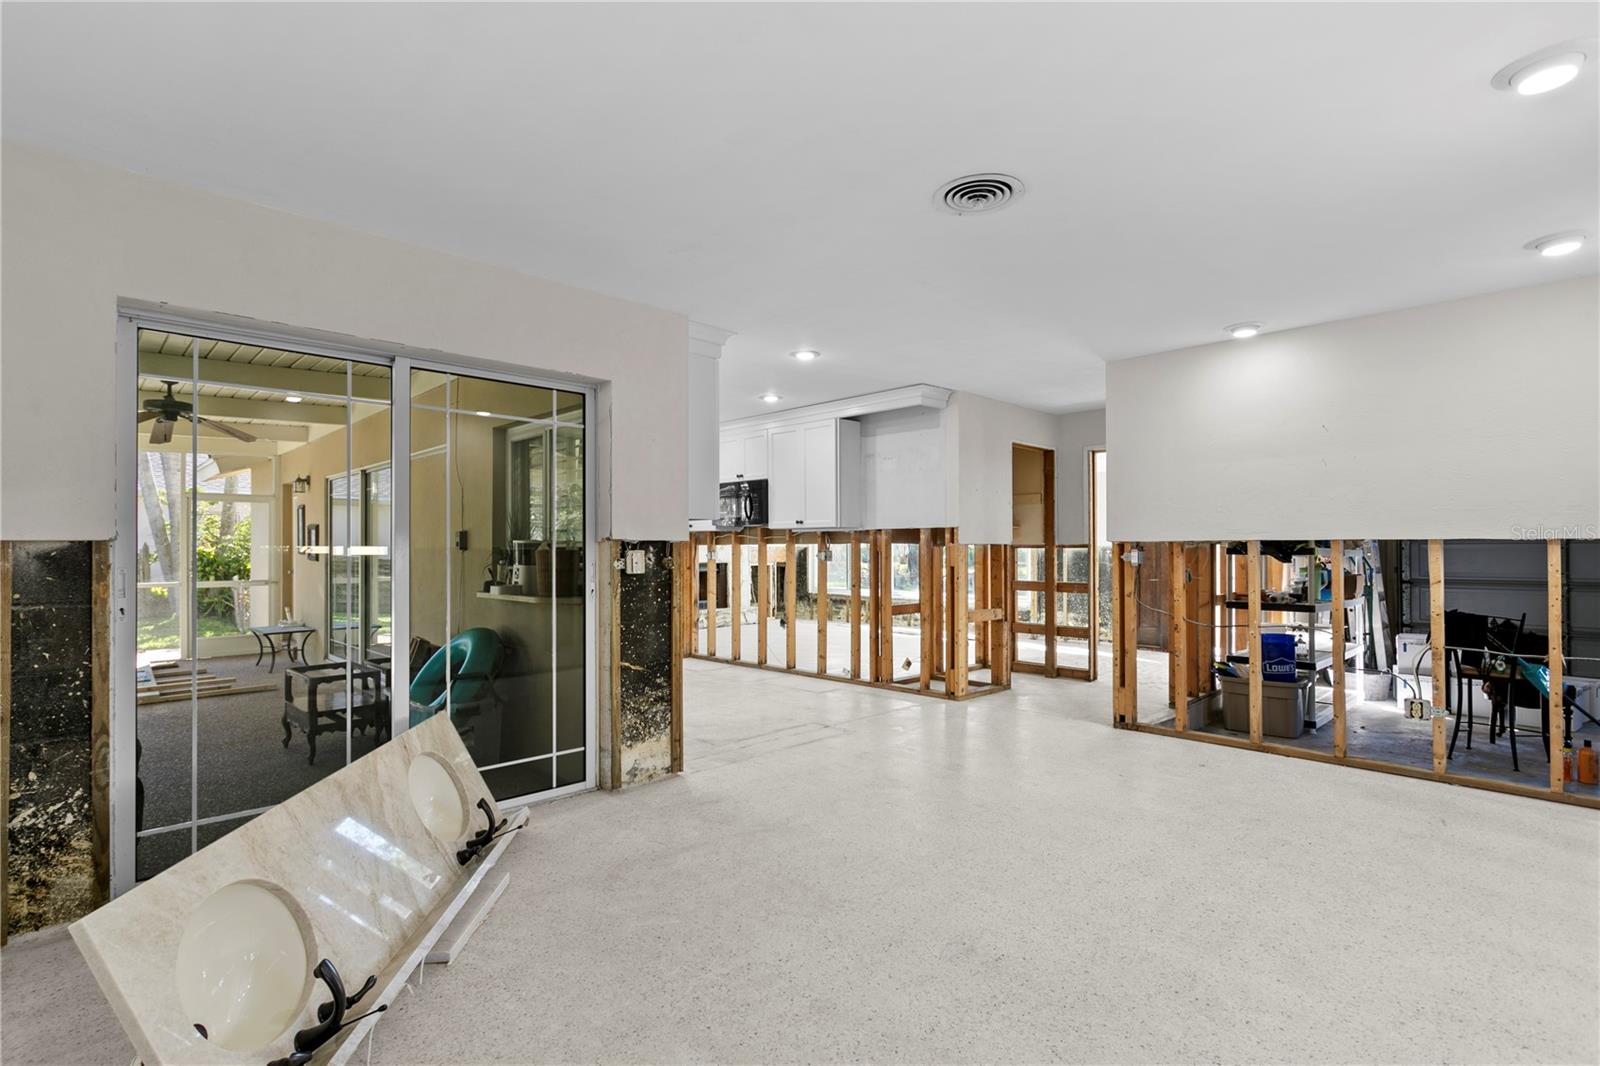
<point>639,677</point>
<point>53,656</point>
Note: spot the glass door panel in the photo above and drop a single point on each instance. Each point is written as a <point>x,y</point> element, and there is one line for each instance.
<point>255,679</point>
<point>499,581</point>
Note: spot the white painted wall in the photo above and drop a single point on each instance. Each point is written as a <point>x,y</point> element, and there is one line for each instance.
<point>78,237</point>
<point>902,469</point>
<point>1076,434</point>
<point>1474,418</point>
<point>705,373</point>
<point>982,432</point>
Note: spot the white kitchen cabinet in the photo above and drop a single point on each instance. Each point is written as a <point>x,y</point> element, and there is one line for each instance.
<point>744,456</point>
<point>786,478</point>
<point>814,480</point>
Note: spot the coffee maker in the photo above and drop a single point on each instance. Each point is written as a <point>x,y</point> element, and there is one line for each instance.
<point>523,555</point>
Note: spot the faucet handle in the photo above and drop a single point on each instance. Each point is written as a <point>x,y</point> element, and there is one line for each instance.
<point>325,1011</point>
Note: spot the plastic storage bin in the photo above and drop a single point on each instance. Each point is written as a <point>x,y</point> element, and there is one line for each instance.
<point>1285,706</point>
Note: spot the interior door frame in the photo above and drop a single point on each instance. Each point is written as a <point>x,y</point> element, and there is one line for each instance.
<point>123,697</point>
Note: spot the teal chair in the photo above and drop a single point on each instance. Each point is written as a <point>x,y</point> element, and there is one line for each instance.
<point>474,657</point>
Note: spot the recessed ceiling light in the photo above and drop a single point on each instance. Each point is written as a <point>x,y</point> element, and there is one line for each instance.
<point>292,398</point>
<point>770,397</point>
<point>1545,70</point>
<point>1241,330</point>
<point>1555,245</point>
<point>805,355</point>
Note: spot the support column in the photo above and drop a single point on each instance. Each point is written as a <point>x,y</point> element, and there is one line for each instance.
<point>1177,633</point>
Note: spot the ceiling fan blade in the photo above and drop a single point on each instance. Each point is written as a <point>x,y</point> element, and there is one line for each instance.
<point>161,431</point>
<point>229,430</point>
<point>148,415</point>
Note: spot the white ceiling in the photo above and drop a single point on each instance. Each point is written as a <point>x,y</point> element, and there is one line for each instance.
<point>769,169</point>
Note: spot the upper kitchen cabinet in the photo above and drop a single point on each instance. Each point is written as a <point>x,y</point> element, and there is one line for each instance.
<point>744,456</point>
<point>814,477</point>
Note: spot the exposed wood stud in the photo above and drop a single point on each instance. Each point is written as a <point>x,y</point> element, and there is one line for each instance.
<point>1051,652</point>
<point>791,556</point>
<point>1336,581</point>
<point>711,595</point>
<point>956,671</point>
<point>1177,632</point>
<point>855,605</point>
<point>1124,636</point>
<point>821,568</point>
<point>735,598</point>
<point>763,597</point>
<point>926,624</point>
<point>1253,619</point>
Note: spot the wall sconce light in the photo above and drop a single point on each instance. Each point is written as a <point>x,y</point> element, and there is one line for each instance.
<point>302,484</point>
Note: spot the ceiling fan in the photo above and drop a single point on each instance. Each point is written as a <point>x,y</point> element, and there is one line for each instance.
<point>168,409</point>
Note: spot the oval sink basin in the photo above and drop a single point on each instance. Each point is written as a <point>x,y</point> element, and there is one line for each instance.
<point>244,965</point>
<point>437,798</point>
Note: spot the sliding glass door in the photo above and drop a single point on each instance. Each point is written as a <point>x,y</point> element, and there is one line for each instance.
<point>292,595</point>
<point>499,579</point>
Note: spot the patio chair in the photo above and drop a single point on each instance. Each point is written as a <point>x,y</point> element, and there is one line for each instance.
<point>475,659</point>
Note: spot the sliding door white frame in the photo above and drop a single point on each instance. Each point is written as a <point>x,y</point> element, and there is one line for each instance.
<point>124,634</point>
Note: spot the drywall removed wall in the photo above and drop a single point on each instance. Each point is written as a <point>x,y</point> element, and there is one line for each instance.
<point>902,469</point>
<point>1473,418</point>
<point>79,237</point>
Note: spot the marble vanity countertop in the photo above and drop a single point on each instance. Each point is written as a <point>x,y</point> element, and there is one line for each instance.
<point>367,875</point>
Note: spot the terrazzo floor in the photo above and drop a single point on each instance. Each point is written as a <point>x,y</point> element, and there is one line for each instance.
<point>845,874</point>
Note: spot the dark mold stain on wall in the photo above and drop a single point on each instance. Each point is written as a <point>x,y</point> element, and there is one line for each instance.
<point>51,873</point>
<point>645,659</point>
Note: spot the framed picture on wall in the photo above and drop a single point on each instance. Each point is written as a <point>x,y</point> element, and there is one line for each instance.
<point>300,527</point>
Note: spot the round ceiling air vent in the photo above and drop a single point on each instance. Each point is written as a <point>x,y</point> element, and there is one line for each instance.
<point>977,193</point>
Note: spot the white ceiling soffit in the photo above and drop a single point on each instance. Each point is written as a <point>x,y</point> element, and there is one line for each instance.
<point>771,168</point>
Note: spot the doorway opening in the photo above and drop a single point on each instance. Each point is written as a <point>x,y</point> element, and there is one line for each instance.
<point>1056,629</point>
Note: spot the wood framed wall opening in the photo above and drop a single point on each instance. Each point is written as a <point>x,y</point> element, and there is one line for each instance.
<point>1507,685</point>
<point>1054,584</point>
<point>911,609</point>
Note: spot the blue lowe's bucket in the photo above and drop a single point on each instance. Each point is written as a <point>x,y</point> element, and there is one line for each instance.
<point>1277,657</point>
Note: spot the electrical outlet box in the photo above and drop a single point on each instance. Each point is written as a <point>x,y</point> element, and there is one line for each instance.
<point>1416,707</point>
<point>636,561</point>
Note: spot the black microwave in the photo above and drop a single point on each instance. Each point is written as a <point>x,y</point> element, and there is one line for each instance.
<point>741,504</point>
